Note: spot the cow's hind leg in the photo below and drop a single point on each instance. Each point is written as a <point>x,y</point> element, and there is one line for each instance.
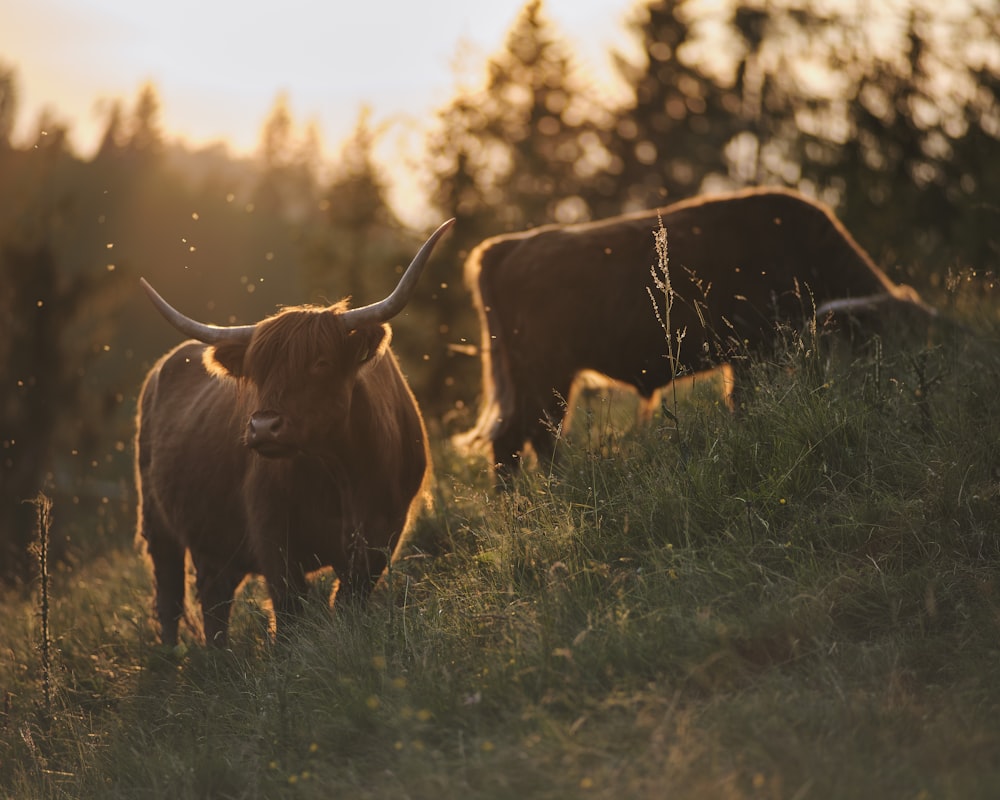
<point>508,446</point>
<point>539,419</point>
<point>548,423</point>
<point>737,387</point>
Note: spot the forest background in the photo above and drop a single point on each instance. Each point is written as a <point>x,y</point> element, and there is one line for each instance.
<point>897,128</point>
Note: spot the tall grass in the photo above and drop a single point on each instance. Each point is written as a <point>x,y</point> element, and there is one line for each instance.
<point>43,511</point>
<point>803,602</point>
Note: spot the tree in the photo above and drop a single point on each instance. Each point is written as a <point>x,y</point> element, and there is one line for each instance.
<point>49,324</point>
<point>133,139</point>
<point>525,144</point>
<point>671,136</point>
<point>539,132</point>
<point>361,230</point>
<point>113,138</point>
<point>8,105</point>
<point>287,186</point>
<point>886,112</point>
<point>911,136</point>
<point>975,168</point>
<point>145,139</point>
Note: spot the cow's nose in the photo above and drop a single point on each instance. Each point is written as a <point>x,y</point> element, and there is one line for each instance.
<point>264,427</point>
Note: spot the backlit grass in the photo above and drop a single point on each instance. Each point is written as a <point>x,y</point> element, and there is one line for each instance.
<point>801,602</point>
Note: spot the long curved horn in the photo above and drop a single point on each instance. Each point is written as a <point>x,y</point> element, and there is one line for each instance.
<point>209,334</point>
<point>386,309</point>
<point>849,304</point>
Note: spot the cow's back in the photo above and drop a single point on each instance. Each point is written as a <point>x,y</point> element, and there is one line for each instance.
<point>761,241</point>
<point>578,296</point>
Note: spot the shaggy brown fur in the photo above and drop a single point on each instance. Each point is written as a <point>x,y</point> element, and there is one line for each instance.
<point>300,449</point>
<point>560,299</point>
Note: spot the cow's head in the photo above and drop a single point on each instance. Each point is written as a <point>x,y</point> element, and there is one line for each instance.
<point>302,364</point>
<point>300,368</point>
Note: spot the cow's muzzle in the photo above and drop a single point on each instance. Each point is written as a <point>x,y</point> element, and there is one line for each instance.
<point>267,434</point>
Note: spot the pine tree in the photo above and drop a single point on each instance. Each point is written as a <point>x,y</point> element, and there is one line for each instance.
<point>50,324</point>
<point>362,233</point>
<point>672,134</point>
<point>526,144</point>
<point>113,137</point>
<point>145,138</point>
<point>917,138</point>
<point>287,184</point>
<point>8,105</point>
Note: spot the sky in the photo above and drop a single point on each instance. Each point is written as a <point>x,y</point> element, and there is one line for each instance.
<point>219,65</point>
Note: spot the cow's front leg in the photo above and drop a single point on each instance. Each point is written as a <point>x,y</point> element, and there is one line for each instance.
<point>359,570</point>
<point>216,587</point>
<point>167,556</point>
<point>288,587</point>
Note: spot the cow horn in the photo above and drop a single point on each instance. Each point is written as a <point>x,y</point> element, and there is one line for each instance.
<point>848,304</point>
<point>386,309</point>
<point>209,334</point>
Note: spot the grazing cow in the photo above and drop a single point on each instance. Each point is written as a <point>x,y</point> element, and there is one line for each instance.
<point>564,298</point>
<point>278,448</point>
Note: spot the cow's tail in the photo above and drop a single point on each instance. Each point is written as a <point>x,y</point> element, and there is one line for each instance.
<point>498,401</point>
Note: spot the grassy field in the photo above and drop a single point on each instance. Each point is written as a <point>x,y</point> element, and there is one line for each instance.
<point>800,603</point>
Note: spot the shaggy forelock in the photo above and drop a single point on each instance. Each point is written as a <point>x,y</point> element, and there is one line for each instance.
<point>286,345</point>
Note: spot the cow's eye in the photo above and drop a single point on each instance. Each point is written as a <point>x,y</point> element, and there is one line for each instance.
<point>321,366</point>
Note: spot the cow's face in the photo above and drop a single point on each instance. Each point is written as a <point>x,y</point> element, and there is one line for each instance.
<point>300,369</point>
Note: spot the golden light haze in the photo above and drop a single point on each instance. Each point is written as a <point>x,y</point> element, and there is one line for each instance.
<point>219,66</point>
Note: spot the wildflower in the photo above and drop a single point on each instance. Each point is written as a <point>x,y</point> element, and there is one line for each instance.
<point>487,746</point>
<point>373,702</point>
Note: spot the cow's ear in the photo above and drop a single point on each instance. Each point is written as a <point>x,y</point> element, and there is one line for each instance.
<point>369,343</point>
<point>226,358</point>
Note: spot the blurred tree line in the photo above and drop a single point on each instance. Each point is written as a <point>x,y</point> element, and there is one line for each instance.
<point>891,114</point>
